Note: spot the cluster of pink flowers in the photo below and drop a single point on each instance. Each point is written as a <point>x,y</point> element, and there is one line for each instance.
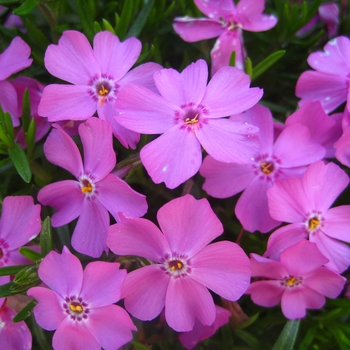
<point>283,170</point>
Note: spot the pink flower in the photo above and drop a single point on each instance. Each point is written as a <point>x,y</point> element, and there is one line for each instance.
<point>20,223</point>
<point>98,74</point>
<point>200,332</point>
<point>189,113</point>
<point>12,60</point>
<point>298,280</point>
<point>81,303</point>
<point>226,20</point>
<point>95,192</point>
<point>185,265</point>
<point>274,160</point>
<point>329,83</point>
<point>14,336</point>
<point>305,203</point>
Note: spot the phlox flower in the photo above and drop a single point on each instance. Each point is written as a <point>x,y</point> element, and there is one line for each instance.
<point>20,222</point>
<point>12,60</point>
<point>95,192</point>
<point>298,280</point>
<point>14,336</point>
<point>342,145</point>
<point>275,159</point>
<point>184,264</point>
<point>79,304</point>
<point>305,203</point>
<point>97,75</point>
<point>189,113</point>
<point>200,332</point>
<point>329,82</point>
<point>226,21</point>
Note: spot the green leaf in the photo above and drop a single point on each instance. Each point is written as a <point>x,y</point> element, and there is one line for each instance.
<point>11,270</point>
<point>27,275</point>
<point>20,162</point>
<point>139,346</point>
<point>26,114</point>
<point>8,2</point>
<point>25,312</point>
<point>288,336</point>
<point>6,129</point>
<point>248,67</point>
<point>97,27</point>
<point>30,254</point>
<point>124,20</point>
<point>7,289</point>
<point>266,63</point>
<point>107,26</point>
<point>141,19</point>
<point>86,18</point>
<point>46,243</point>
<point>26,8</point>
<point>233,59</point>
<point>30,138</point>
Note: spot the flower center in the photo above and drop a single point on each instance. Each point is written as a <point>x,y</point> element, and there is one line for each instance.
<point>313,222</point>
<point>102,91</point>
<point>176,266</point>
<point>267,167</point>
<point>76,308</point>
<point>103,88</point>
<point>191,117</point>
<point>291,281</point>
<point>87,186</point>
<point>4,253</point>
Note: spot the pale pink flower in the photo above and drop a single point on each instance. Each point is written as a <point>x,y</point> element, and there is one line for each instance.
<point>298,280</point>
<point>185,264</point>
<point>79,304</point>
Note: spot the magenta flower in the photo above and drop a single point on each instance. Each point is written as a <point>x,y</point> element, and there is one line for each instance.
<point>184,264</point>
<point>298,280</point>
<point>14,336</point>
<point>329,83</point>
<point>189,114</point>
<point>98,74</point>
<point>95,192</point>
<point>200,332</point>
<point>20,223</point>
<point>226,20</point>
<point>81,303</point>
<point>305,203</point>
<point>12,60</point>
<point>274,160</point>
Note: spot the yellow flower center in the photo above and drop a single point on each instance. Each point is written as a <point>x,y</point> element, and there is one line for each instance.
<point>314,223</point>
<point>175,265</point>
<point>193,120</point>
<point>103,91</point>
<point>87,188</point>
<point>267,167</point>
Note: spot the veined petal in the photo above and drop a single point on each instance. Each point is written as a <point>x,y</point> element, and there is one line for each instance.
<point>144,291</point>
<point>337,223</point>
<point>266,293</point>
<point>264,267</point>
<point>14,58</point>
<point>63,273</point>
<point>342,147</point>
<point>229,141</point>
<point>99,155</point>
<point>224,268</point>
<point>72,59</point>
<point>185,87</point>
<point>90,233</point>
<point>228,93</point>
<point>215,8</point>
<point>188,224</point>
<point>66,102</point>
<point>218,177</point>
<point>173,157</point>
<point>102,283</point>
<point>64,196</point>
<point>252,208</point>
<point>115,58</point>
<point>331,90</point>
<point>111,326</point>
<point>74,335</point>
<point>138,237</point>
<point>117,196</point>
<point>47,300</point>
<point>68,157</point>
<point>20,220</point>
<point>186,301</point>
<point>8,101</point>
<point>144,111</point>
<point>196,29</point>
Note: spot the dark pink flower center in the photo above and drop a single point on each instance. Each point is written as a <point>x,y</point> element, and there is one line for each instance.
<point>176,265</point>
<point>291,281</point>
<point>267,167</point>
<point>103,89</point>
<point>4,253</point>
<point>76,308</point>
<point>191,116</point>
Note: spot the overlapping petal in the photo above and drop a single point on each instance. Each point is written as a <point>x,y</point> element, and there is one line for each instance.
<point>337,223</point>
<point>8,101</point>
<point>266,293</point>
<point>215,8</point>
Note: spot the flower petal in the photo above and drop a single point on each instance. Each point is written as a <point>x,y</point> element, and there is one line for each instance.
<point>99,155</point>
<point>144,291</point>
<point>72,59</point>
<point>214,8</point>
<point>90,233</point>
<point>138,237</point>
<point>173,157</point>
<point>196,29</point>
<point>111,326</point>
<point>47,300</point>
<point>8,101</point>
<point>63,102</point>
<point>266,293</point>
<point>337,223</point>
<point>264,267</point>
<point>115,58</point>
<point>224,268</point>
<point>186,301</point>
<point>64,196</point>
